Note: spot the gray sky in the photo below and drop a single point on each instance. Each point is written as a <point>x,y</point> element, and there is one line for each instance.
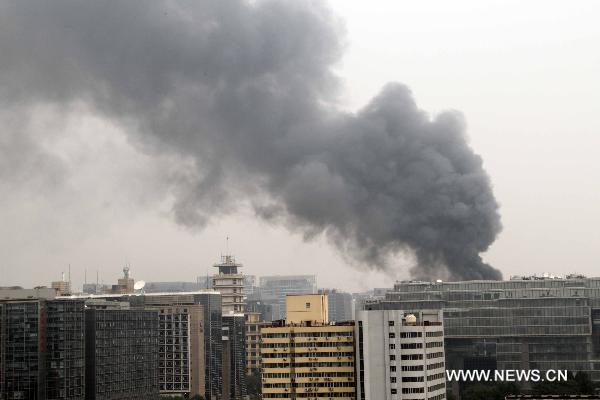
<point>524,75</point>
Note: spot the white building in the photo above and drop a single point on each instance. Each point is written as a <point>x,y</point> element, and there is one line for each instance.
<point>230,283</point>
<point>400,355</point>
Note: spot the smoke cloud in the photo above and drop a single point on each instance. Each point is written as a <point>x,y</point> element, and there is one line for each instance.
<point>245,92</point>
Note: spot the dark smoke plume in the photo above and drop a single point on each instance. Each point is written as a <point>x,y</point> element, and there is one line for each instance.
<point>246,91</point>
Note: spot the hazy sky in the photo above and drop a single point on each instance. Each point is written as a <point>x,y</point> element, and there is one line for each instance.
<point>524,75</point>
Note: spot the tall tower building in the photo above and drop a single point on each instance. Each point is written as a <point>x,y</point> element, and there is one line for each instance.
<point>230,283</point>
<point>308,357</point>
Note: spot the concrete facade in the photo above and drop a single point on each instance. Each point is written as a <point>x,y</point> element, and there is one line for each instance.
<point>400,355</point>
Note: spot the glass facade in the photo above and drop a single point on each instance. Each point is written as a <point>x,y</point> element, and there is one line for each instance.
<point>42,349</point>
<point>121,354</point>
<point>526,323</point>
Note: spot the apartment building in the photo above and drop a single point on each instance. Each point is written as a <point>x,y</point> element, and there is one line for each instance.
<point>306,356</point>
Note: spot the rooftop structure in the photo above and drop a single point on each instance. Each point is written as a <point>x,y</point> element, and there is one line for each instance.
<point>308,357</point>
<point>230,283</point>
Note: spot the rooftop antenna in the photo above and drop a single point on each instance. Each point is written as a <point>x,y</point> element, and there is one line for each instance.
<point>69,273</point>
<point>85,275</point>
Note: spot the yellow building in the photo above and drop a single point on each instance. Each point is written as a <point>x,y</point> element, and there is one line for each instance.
<point>252,342</point>
<point>307,357</point>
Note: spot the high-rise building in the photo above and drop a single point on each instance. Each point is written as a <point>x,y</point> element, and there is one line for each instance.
<point>340,305</point>
<point>187,319</point>
<point>230,283</point>
<point>400,355</point>
<point>274,289</point>
<point>41,346</point>
<point>308,357</point>
<point>181,349</point>
<point>524,323</point>
<point>175,312</point>
<point>122,352</point>
<point>234,357</point>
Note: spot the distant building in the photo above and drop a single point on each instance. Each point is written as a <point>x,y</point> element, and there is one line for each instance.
<point>274,289</point>
<point>230,283</point>
<point>62,287</point>
<point>234,357</point>
<point>340,305</point>
<point>96,288</point>
<point>173,287</point>
<point>121,353</point>
<point>401,355</point>
<point>251,288</point>
<point>308,358</point>
<point>124,284</point>
<point>265,310</point>
<point>41,346</point>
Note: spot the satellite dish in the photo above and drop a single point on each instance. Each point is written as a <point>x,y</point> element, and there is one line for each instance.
<point>139,285</point>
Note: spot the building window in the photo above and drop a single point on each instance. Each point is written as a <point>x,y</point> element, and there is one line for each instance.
<point>307,305</point>
<point>392,335</point>
<point>390,323</point>
<point>392,346</point>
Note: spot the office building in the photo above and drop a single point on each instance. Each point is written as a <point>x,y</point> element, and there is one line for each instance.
<point>400,355</point>
<point>121,352</point>
<point>234,357</point>
<point>524,323</point>
<point>41,346</point>
<point>308,357</point>
<point>274,289</point>
<point>340,305</point>
<point>230,283</point>
<point>180,324</point>
<point>181,328</point>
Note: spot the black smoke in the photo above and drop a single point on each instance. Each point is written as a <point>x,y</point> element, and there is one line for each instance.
<point>245,90</point>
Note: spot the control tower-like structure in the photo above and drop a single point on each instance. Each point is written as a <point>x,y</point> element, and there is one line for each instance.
<point>230,282</point>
